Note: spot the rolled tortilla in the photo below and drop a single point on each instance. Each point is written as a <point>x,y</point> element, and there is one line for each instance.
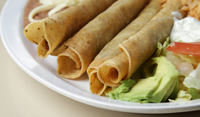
<point>96,86</point>
<point>140,47</point>
<point>52,31</point>
<point>111,49</point>
<point>86,44</point>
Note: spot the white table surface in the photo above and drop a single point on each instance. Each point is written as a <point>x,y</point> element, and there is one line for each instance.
<point>22,96</point>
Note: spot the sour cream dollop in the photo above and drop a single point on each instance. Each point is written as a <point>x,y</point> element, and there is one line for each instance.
<point>54,5</point>
<point>186,30</point>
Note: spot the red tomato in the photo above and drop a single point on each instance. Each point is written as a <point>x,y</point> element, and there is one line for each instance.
<point>185,48</point>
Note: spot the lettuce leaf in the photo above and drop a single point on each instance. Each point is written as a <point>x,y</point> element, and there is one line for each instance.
<point>195,94</point>
<point>182,96</point>
<point>193,80</point>
<point>123,88</point>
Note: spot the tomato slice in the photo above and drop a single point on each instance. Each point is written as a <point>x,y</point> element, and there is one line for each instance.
<point>185,48</point>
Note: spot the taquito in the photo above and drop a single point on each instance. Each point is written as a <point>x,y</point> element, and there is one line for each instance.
<point>111,49</point>
<point>86,44</point>
<point>52,31</point>
<point>140,47</point>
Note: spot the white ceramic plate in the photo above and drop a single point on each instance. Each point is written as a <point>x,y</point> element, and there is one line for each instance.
<point>24,54</point>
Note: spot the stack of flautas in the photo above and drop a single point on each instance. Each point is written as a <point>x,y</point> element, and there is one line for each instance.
<point>110,39</point>
<point>120,58</point>
<point>82,48</point>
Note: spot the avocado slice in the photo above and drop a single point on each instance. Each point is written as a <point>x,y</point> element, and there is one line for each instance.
<point>173,95</point>
<point>170,75</point>
<point>169,92</point>
<point>155,88</point>
<point>163,90</point>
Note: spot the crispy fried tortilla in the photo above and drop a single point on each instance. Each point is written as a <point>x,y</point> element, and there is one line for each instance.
<point>111,49</point>
<point>96,86</point>
<point>140,47</point>
<point>52,31</point>
<point>86,44</point>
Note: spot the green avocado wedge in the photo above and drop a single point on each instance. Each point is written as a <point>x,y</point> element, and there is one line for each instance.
<point>175,91</point>
<point>156,88</point>
<point>169,79</point>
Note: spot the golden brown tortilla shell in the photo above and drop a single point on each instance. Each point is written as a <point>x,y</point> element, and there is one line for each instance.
<point>97,86</point>
<point>52,31</point>
<point>96,34</point>
<point>140,47</point>
<point>111,49</point>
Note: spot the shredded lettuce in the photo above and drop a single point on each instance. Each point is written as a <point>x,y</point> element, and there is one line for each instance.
<point>182,96</point>
<point>161,51</point>
<point>193,80</point>
<point>195,94</point>
<point>123,88</point>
